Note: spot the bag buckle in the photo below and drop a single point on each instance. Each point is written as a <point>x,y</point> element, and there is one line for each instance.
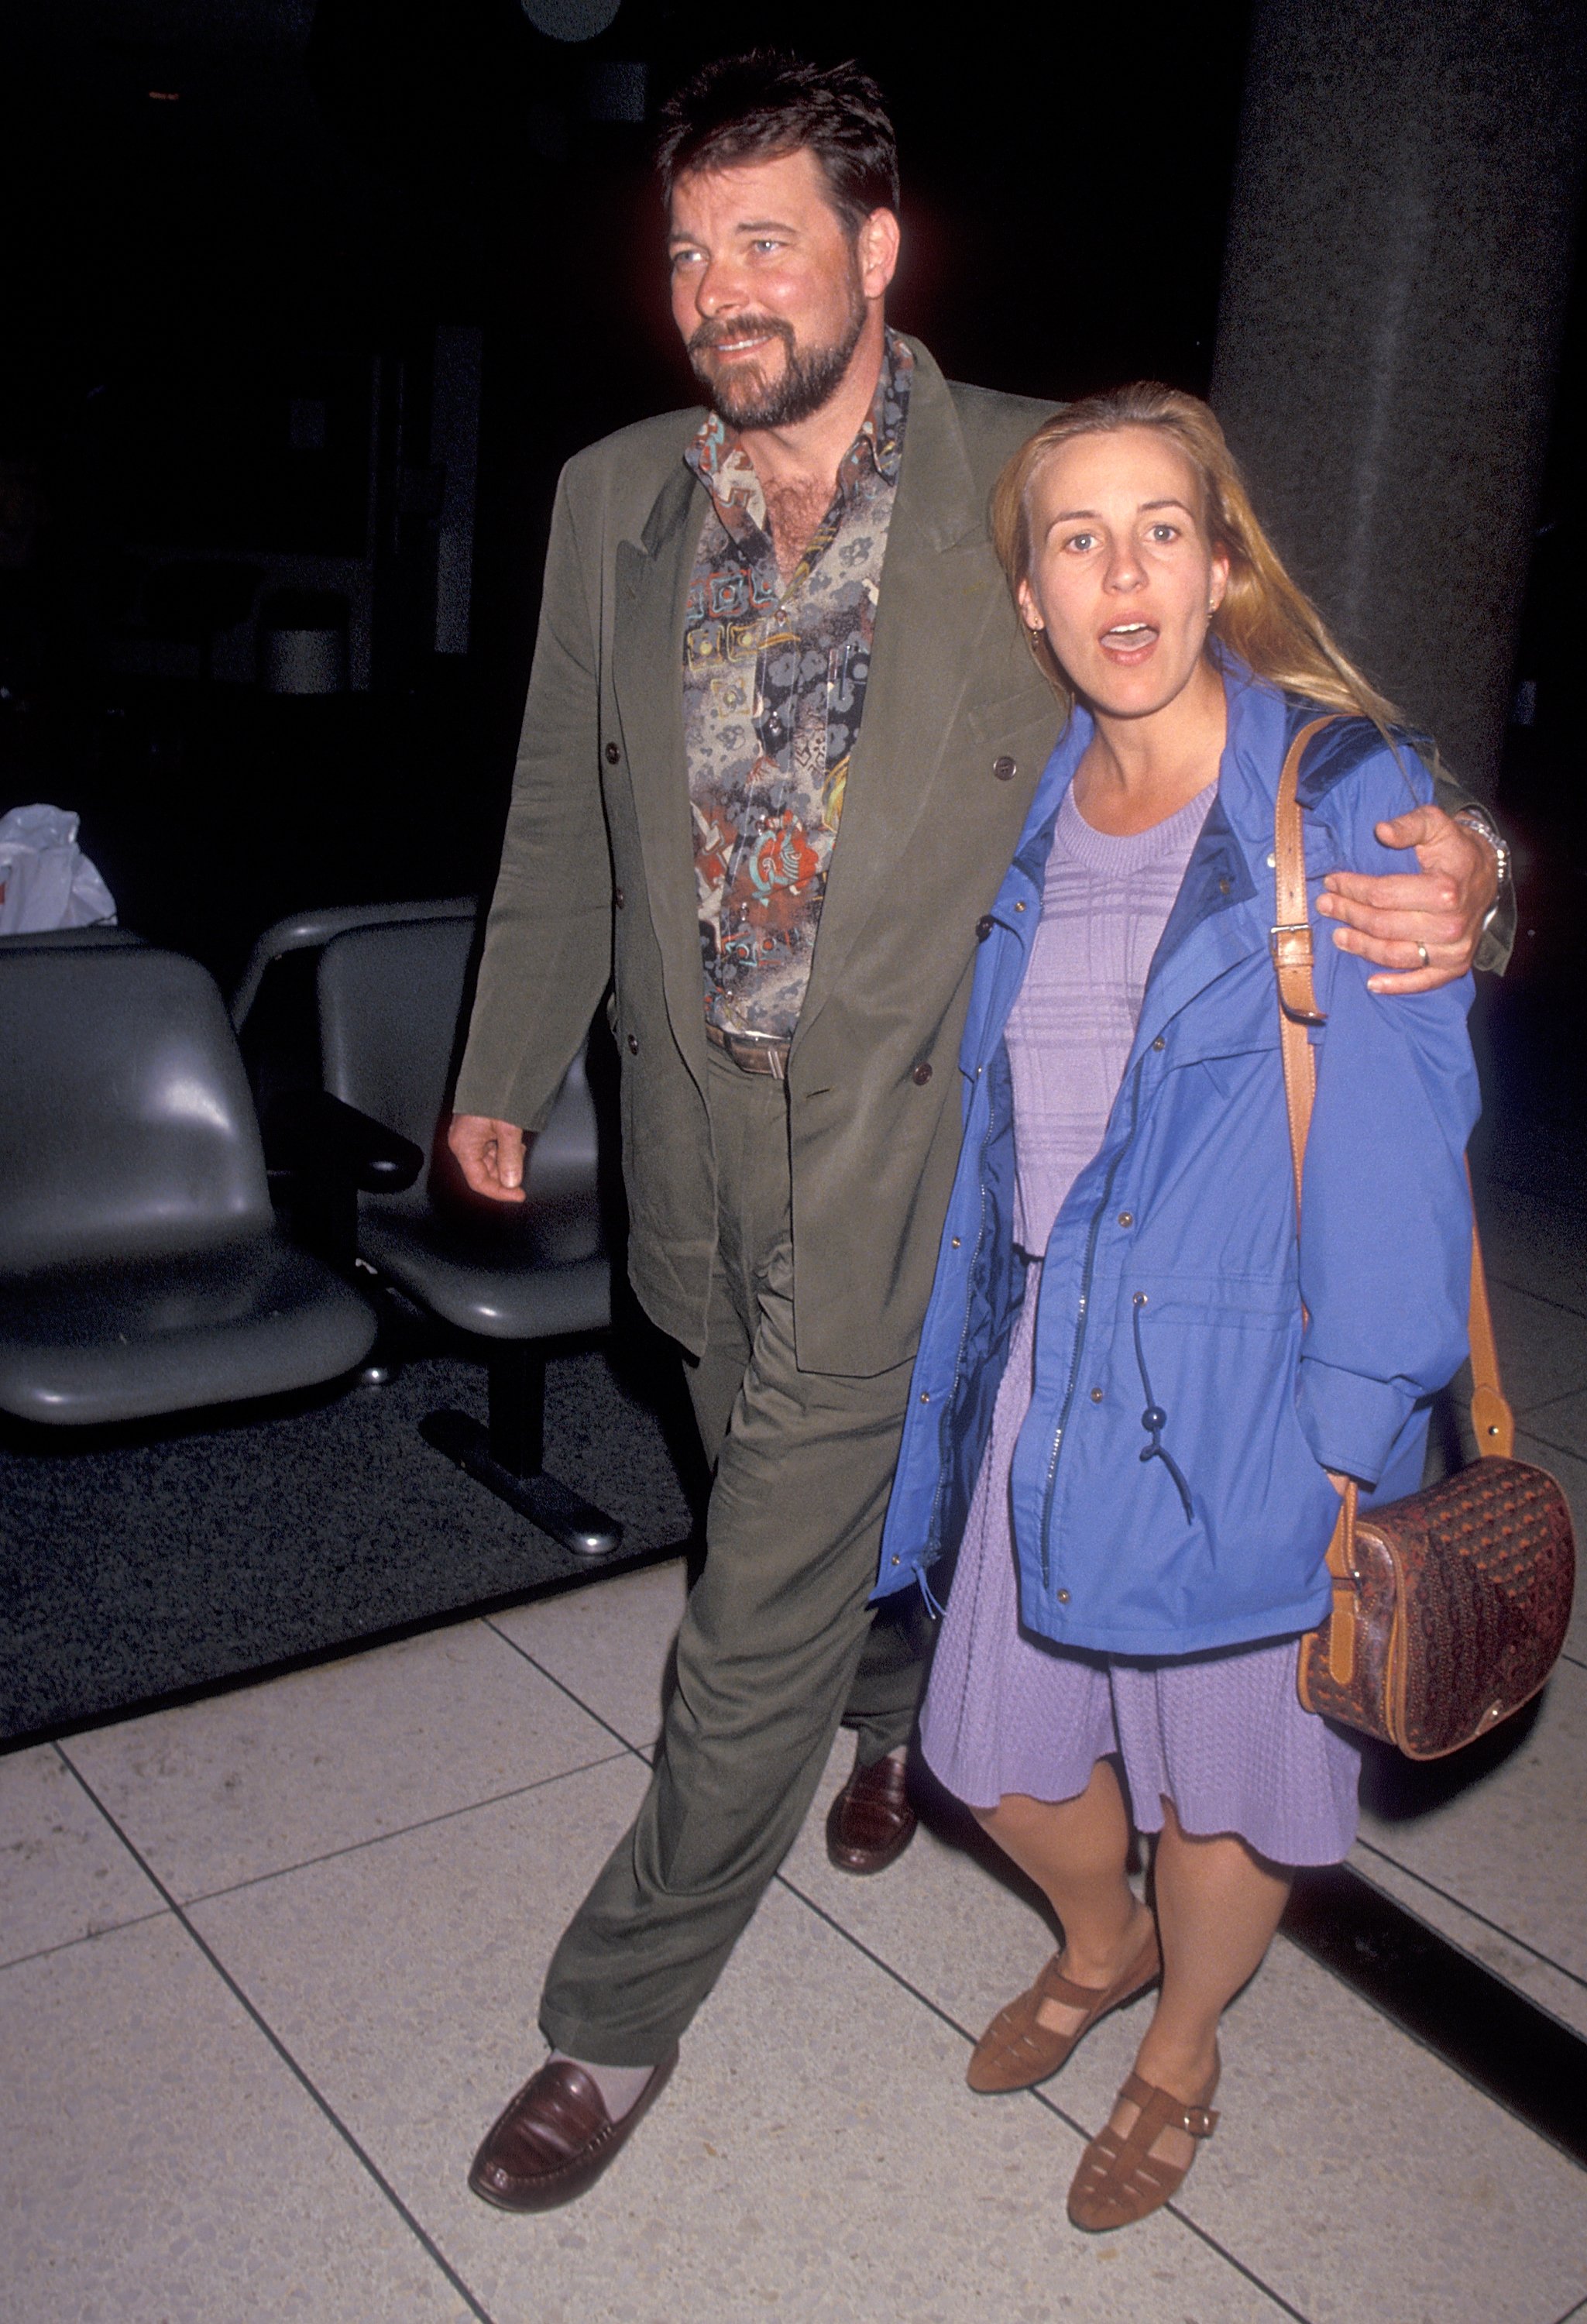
<point>1299,930</point>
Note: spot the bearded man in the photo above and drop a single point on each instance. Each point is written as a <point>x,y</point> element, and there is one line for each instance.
<point>781,734</point>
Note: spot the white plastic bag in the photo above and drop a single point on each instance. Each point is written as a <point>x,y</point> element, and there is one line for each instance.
<point>46,882</point>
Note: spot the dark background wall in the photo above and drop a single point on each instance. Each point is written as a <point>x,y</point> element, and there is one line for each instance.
<point>236,226</point>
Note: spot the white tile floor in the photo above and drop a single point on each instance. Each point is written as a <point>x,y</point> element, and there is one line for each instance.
<point>269,1965</point>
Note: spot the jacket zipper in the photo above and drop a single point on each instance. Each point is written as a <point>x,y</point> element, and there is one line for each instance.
<point>943,1418</point>
<point>1086,1275</point>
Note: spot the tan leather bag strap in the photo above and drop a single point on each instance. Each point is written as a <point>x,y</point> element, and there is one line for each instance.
<point>1491,1418</point>
<point>1291,942</point>
<point>1290,939</point>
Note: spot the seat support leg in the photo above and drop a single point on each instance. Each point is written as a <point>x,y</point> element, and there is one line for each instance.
<point>507,1457</point>
<point>515,1375</point>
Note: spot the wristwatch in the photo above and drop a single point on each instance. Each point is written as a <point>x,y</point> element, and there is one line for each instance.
<point>1478,819</point>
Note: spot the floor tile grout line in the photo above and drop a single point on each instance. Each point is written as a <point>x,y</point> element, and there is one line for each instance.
<point>1525,1291</point>
<point>316,2098</point>
<point>782,1880</point>
<point>637,1750</point>
<point>1430,2048</point>
<point>1471,1911</point>
<point>88,1936</point>
<point>1548,1443</point>
<point>397,1832</point>
<point>1524,1412</point>
<point>1203,2234</point>
<point>1571,2313</point>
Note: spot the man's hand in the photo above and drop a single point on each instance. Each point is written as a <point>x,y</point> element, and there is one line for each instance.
<point>490,1154</point>
<point>1425,925</point>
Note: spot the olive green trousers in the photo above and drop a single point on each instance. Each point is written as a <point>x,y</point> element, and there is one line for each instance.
<point>777,1646</point>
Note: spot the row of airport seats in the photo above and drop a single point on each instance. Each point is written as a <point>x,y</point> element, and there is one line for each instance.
<point>145,1269</point>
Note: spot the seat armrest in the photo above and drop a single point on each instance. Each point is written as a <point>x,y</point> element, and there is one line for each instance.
<point>317,1136</point>
<point>311,931</point>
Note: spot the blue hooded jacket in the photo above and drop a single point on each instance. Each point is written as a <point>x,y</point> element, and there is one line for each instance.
<point>1170,1492</point>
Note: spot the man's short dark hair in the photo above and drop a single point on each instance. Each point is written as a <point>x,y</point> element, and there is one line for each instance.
<point>759,106</point>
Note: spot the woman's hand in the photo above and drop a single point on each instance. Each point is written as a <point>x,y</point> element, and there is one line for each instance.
<point>1425,924</point>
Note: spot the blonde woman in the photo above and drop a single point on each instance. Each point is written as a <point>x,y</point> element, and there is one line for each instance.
<point>1138,1396</point>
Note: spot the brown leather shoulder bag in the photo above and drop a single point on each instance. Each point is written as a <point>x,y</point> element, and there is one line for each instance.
<point>1450,1606</point>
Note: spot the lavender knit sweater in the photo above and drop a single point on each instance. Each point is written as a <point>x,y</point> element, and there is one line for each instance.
<point>1222,1736</point>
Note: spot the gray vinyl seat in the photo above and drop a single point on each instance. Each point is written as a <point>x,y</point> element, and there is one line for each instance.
<point>513,1277</point>
<point>312,930</point>
<point>390,1001</point>
<point>141,1271</point>
<point>98,935</point>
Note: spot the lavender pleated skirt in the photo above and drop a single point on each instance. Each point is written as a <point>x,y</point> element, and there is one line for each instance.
<point>1224,1736</point>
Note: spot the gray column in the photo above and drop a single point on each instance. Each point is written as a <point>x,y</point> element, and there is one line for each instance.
<point>1398,254</point>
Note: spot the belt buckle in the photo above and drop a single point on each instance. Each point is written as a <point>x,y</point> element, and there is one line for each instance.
<point>756,1053</point>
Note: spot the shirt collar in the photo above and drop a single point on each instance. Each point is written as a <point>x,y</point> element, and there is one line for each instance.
<point>883,430</point>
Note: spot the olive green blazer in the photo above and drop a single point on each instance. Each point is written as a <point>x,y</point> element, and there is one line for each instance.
<point>597,877</point>
<point>596,886</point>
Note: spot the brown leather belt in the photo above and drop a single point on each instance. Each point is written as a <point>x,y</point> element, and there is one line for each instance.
<point>752,1053</point>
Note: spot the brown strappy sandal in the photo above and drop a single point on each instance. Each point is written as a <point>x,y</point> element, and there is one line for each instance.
<point>1120,2179</point>
<point>1017,2050</point>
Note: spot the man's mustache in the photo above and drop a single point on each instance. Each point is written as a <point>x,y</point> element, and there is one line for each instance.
<point>712,334</point>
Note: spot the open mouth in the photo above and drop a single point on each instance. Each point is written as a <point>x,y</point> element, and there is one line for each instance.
<point>1129,642</point>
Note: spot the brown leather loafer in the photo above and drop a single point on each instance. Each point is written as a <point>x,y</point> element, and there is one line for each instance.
<point>552,2142</point>
<point>871,1822</point>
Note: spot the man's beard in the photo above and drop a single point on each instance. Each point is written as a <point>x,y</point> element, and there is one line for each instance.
<point>810,376</point>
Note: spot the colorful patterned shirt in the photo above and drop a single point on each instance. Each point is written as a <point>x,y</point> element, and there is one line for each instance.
<point>773,690</point>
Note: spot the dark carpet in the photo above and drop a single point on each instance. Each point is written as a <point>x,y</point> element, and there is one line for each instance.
<point>135,1564</point>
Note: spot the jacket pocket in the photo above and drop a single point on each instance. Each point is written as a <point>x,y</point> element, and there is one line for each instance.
<point>1154,1419</point>
<point>1231,1066</point>
<point>1027,710</point>
<point>1216,1360</point>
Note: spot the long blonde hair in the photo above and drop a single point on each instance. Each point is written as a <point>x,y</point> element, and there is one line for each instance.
<point>1264,618</point>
